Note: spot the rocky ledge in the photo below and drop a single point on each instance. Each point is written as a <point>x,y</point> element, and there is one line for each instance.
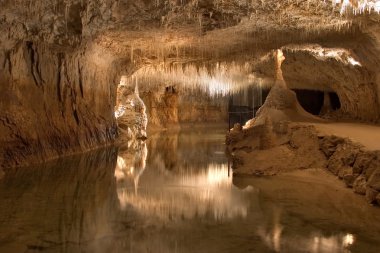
<point>269,149</point>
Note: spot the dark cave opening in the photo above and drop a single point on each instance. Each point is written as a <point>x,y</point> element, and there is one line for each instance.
<point>334,100</point>
<point>313,101</point>
<point>310,100</point>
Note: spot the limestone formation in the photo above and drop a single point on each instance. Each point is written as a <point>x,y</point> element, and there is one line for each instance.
<point>297,149</point>
<point>300,147</point>
<point>344,156</point>
<point>267,136</point>
<point>370,195</point>
<point>374,180</point>
<point>131,114</point>
<point>329,145</point>
<point>360,185</point>
<point>69,55</point>
<point>362,162</point>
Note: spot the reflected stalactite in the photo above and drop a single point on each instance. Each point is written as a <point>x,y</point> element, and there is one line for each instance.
<point>190,195</point>
<point>272,234</point>
<point>131,163</point>
<point>187,192</point>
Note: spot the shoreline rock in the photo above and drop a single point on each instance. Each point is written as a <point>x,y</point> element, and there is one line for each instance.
<point>300,147</point>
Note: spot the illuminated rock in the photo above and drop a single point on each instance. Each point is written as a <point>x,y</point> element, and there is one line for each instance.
<point>131,114</point>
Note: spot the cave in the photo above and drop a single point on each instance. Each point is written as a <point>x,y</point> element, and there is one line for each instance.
<point>318,102</point>
<point>190,126</point>
<point>335,101</point>
<point>310,100</point>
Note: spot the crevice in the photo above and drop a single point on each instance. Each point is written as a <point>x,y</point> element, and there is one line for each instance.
<point>7,59</point>
<point>335,101</point>
<point>80,80</point>
<point>29,46</point>
<point>76,117</point>
<point>59,77</point>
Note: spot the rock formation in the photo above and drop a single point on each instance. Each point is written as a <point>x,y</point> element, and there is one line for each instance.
<point>130,114</point>
<point>274,142</point>
<point>61,61</point>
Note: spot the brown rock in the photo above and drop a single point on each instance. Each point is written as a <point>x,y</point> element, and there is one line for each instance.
<point>329,144</point>
<point>50,105</point>
<point>344,155</point>
<point>374,165</point>
<point>371,195</point>
<point>360,185</point>
<point>237,128</point>
<point>344,171</point>
<point>349,179</point>
<point>378,199</point>
<point>267,136</point>
<point>363,160</point>
<point>334,165</point>
<point>374,180</point>
<point>131,114</point>
<point>235,135</point>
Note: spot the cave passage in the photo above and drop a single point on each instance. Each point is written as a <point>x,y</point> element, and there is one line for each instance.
<point>310,100</point>
<point>190,126</point>
<point>313,101</point>
<point>335,101</point>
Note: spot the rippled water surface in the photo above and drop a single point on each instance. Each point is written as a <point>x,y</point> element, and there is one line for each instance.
<point>175,193</point>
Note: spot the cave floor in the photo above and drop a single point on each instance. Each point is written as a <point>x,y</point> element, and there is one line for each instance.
<point>175,193</point>
<point>365,134</point>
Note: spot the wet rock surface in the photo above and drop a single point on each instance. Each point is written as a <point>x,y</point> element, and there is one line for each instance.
<point>54,104</point>
<point>302,148</point>
<point>297,149</point>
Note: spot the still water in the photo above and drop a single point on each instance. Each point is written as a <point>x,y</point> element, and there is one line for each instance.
<point>175,193</point>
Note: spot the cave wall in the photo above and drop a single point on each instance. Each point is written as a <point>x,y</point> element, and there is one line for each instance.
<point>354,85</point>
<point>162,107</point>
<point>325,68</point>
<point>174,107</point>
<point>53,102</point>
<point>203,109</point>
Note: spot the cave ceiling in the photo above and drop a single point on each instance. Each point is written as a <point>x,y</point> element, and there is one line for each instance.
<point>148,32</point>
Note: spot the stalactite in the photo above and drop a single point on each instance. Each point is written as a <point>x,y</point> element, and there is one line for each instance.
<point>357,6</point>
<point>214,79</point>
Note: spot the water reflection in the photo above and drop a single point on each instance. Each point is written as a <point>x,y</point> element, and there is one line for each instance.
<point>173,193</point>
<point>184,179</point>
<point>131,163</point>
<point>276,238</point>
<point>60,205</point>
<point>176,189</point>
